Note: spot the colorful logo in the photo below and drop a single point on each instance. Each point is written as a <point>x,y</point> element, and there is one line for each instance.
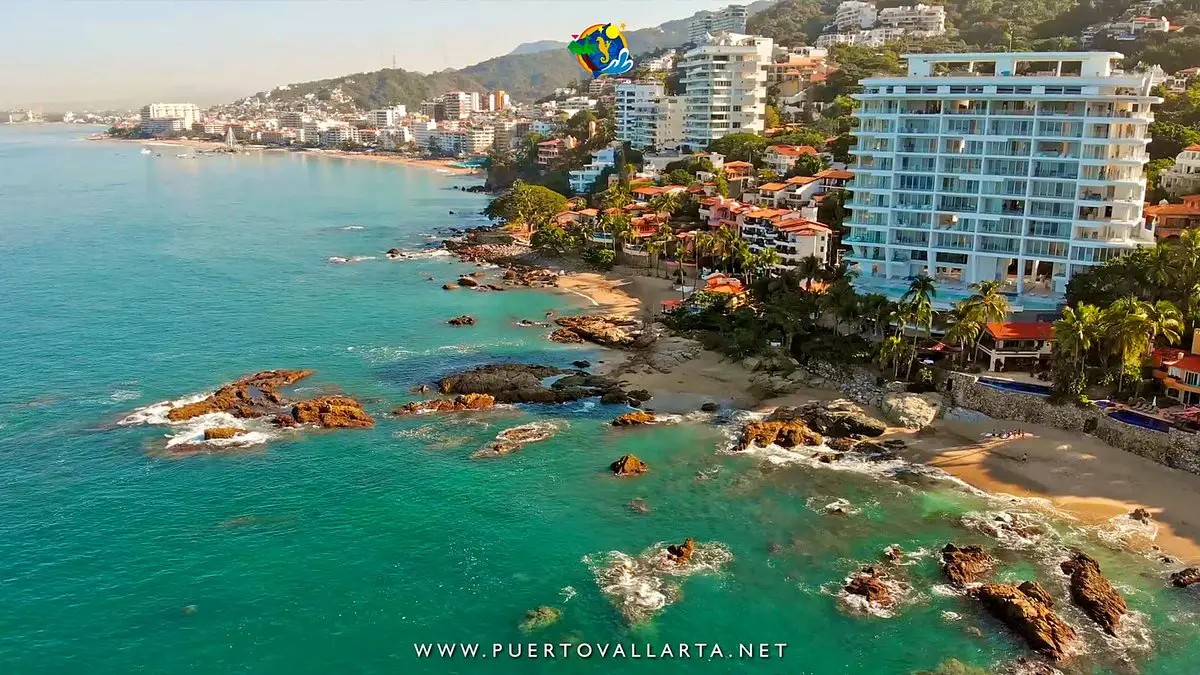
<point>602,50</point>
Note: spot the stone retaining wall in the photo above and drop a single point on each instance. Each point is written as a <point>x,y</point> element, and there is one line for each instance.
<point>1177,449</point>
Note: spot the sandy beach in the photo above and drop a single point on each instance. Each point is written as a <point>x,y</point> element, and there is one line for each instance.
<point>1077,474</point>
<point>439,165</point>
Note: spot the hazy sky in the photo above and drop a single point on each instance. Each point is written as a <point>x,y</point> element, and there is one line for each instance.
<point>58,54</point>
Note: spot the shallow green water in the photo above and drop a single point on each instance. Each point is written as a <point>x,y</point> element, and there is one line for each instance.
<point>129,280</point>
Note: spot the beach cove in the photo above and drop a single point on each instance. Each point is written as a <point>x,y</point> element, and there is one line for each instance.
<point>133,281</point>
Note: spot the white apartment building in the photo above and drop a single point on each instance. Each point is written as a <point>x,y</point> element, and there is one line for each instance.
<point>188,112</point>
<point>338,135</point>
<point>161,126</point>
<point>1183,179</point>
<point>726,87</point>
<point>661,63</point>
<point>853,15</point>
<point>919,18</point>
<point>478,140</point>
<point>647,117</point>
<point>457,105</point>
<point>386,117</point>
<point>731,19</point>
<point>1024,168</point>
<point>423,132</point>
<point>581,179</point>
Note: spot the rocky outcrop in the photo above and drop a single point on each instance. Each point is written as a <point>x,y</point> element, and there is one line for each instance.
<point>634,419</point>
<point>513,439</point>
<point>838,419</point>
<point>709,406</point>
<point>582,364</point>
<point>785,434</point>
<point>966,564</point>
<point>221,433</point>
<point>628,465</point>
<point>681,553</point>
<point>468,282</point>
<point>1026,610</point>
<point>894,554</point>
<point>609,331</point>
<point>464,320</point>
<point>284,421</point>
<point>914,411</point>
<point>566,336</point>
<point>869,584</point>
<point>332,412</point>
<point>1141,515</point>
<point>536,619</point>
<point>449,287</point>
<point>1093,593</point>
<point>252,396</point>
<point>521,383</point>
<point>456,404</point>
<point>1185,577</point>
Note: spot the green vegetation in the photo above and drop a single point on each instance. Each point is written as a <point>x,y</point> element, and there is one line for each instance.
<point>744,147</point>
<point>525,205</point>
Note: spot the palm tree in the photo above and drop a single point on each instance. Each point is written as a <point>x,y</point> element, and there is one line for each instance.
<point>1128,328</point>
<point>875,308</point>
<point>920,292</point>
<point>842,301</point>
<point>667,202</point>
<point>742,256</point>
<point>702,245</point>
<point>766,259</point>
<point>987,301</point>
<point>809,268</point>
<point>1077,332</point>
<point>893,349</point>
<point>654,247</point>
<point>965,326</point>
<point>729,239</point>
<point>1165,321</point>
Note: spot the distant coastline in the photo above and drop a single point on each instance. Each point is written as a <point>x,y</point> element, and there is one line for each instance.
<point>441,165</point>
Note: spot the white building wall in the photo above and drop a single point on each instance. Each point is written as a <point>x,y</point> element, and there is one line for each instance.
<point>726,87</point>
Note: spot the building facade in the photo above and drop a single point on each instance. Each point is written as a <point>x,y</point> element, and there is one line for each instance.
<point>731,19</point>
<point>188,112</point>
<point>854,15</point>
<point>1184,178</point>
<point>647,117</point>
<point>1024,168</point>
<point>726,87</point>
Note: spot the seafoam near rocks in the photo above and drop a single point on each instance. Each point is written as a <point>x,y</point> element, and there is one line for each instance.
<point>641,586</point>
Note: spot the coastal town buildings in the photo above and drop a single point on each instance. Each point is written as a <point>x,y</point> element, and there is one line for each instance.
<point>731,19</point>
<point>726,87</point>
<point>853,15</point>
<point>551,150</point>
<point>859,23</point>
<point>1023,168</point>
<point>1170,220</point>
<point>795,74</point>
<point>783,158</point>
<point>384,117</point>
<point>582,179</point>
<point>457,105</point>
<point>1179,371</point>
<point>1184,177</point>
<point>1015,345</point>
<point>189,113</point>
<point>647,118</point>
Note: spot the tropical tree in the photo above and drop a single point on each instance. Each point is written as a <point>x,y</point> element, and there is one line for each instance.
<point>1127,327</point>
<point>876,308</point>
<point>525,205</point>
<point>964,327</point>
<point>616,224</point>
<point>810,268</point>
<point>1075,334</point>
<point>841,301</point>
<point>987,302</point>
<point>893,350</point>
<point>702,245</point>
<point>667,202</point>
<point>655,248</point>
<point>916,309</point>
<point>1165,322</point>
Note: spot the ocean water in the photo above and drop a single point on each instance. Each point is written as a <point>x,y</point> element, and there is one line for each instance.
<point>128,280</point>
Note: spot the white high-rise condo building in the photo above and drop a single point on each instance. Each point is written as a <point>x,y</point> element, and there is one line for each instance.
<point>854,15</point>
<point>919,19</point>
<point>726,87</point>
<point>188,112</point>
<point>647,117</point>
<point>457,105</point>
<point>732,19</point>
<point>1023,168</point>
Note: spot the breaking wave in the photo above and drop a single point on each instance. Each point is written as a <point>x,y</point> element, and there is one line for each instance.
<point>641,587</point>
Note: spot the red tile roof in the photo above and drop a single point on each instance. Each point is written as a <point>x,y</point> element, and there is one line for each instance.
<point>1173,210</point>
<point>836,174</point>
<point>1193,148</point>
<point>1021,330</point>
<point>772,187</point>
<point>793,150</point>
<point>738,165</point>
<point>1189,362</point>
<point>802,180</point>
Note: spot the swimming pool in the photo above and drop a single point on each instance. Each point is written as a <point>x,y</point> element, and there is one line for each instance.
<point>1140,420</point>
<point>1019,387</point>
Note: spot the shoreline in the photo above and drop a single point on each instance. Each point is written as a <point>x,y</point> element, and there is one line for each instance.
<point>1078,475</point>
<point>440,165</point>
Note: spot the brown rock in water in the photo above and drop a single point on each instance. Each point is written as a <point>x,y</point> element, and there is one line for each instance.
<point>582,364</point>
<point>468,282</point>
<point>247,397</point>
<point>965,565</point>
<point>1029,616</point>
<point>565,336</point>
<point>221,432</point>
<point>869,583</point>
<point>332,412</point>
<point>841,444</point>
<point>787,434</point>
<point>393,252</point>
<point>284,421</point>
<point>464,320</point>
<point>1093,593</point>
<point>448,287</point>
<point>894,554</point>
<point>628,465</point>
<point>510,274</point>
<point>456,404</point>
<point>681,553</point>
<point>634,419</point>
<point>639,505</point>
<point>610,331</point>
<point>518,383</point>
<point>420,389</point>
<point>1185,577</point>
<point>839,419</point>
<point>1140,514</point>
<point>479,273</point>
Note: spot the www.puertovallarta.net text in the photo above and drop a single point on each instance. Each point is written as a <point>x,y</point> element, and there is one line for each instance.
<point>589,650</point>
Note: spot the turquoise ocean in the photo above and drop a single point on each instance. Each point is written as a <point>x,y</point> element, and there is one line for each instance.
<point>129,279</point>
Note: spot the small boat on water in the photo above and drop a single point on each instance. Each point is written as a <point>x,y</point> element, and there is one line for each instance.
<point>147,151</point>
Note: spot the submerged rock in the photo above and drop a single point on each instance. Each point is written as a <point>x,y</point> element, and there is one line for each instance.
<point>582,364</point>
<point>786,434</point>
<point>251,396</point>
<point>1141,515</point>
<point>332,412</point>
<point>284,421</point>
<point>1185,577</point>
<point>709,406</point>
<point>634,419</point>
<point>512,383</point>
<point>512,439</point>
<point>966,564</point>
<point>628,465</point>
<point>448,287</point>
<point>1028,613</point>
<point>536,619</point>
<point>468,282</point>
<point>1093,593</point>
<point>639,505</point>
<point>894,554</point>
<point>464,320</point>
<point>221,432</point>
<point>682,553</point>
<point>456,404</point>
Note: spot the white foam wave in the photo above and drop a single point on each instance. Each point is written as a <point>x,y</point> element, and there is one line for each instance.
<point>901,593</point>
<point>1125,533</point>
<point>643,586</point>
<point>191,432</point>
<point>1014,530</point>
<point>567,593</point>
<point>951,616</point>
<point>156,413</point>
<point>353,228</point>
<point>424,254</point>
<point>119,395</point>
